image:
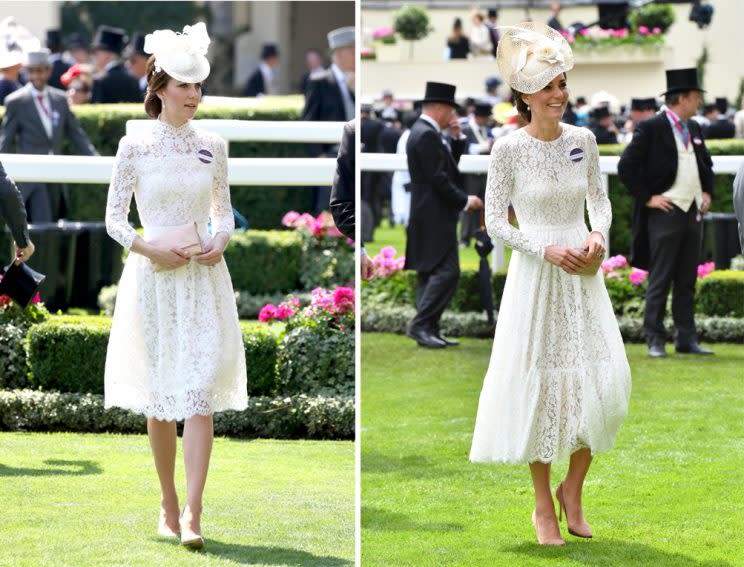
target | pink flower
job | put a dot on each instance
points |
(643, 30)
(614, 263)
(382, 32)
(656, 31)
(343, 300)
(267, 313)
(705, 269)
(294, 301)
(584, 31)
(290, 218)
(613, 275)
(36, 298)
(637, 276)
(283, 311)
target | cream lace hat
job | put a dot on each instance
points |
(181, 55)
(532, 54)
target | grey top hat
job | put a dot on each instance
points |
(38, 58)
(342, 37)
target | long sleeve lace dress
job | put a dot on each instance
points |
(558, 378)
(175, 348)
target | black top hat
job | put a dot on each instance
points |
(600, 112)
(493, 13)
(77, 41)
(643, 104)
(483, 108)
(708, 108)
(269, 50)
(110, 39)
(20, 283)
(136, 46)
(682, 80)
(722, 104)
(440, 92)
(53, 39)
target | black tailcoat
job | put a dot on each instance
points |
(648, 167)
(116, 86)
(342, 192)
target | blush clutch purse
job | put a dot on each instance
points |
(592, 267)
(184, 237)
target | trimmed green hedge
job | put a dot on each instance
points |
(296, 417)
(264, 207)
(390, 319)
(264, 261)
(68, 354)
(716, 295)
(722, 293)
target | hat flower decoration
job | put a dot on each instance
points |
(531, 54)
(181, 55)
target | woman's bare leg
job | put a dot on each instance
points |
(198, 432)
(162, 435)
(547, 528)
(572, 488)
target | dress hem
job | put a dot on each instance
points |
(173, 417)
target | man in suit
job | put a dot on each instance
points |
(640, 110)
(314, 62)
(436, 202)
(114, 84)
(480, 141)
(720, 128)
(37, 119)
(137, 61)
(263, 80)
(493, 16)
(330, 97)
(343, 200)
(13, 213)
(668, 170)
(603, 126)
(387, 143)
(369, 135)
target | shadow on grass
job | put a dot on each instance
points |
(265, 555)
(610, 552)
(81, 468)
(382, 520)
(415, 466)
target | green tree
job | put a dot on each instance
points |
(412, 23)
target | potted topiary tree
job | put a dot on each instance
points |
(412, 23)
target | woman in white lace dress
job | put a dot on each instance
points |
(558, 382)
(175, 351)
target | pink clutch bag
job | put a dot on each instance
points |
(184, 237)
(592, 267)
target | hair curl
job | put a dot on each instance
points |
(155, 82)
(522, 108)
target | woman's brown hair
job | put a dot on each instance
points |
(522, 108)
(155, 82)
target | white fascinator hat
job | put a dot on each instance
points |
(181, 55)
(532, 54)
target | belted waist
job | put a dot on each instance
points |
(155, 231)
(569, 226)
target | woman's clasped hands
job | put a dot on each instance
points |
(571, 260)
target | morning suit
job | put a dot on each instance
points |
(473, 183)
(667, 244)
(12, 210)
(24, 128)
(719, 129)
(255, 85)
(342, 191)
(436, 202)
(116, 85)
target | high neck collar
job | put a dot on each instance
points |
(165, 129)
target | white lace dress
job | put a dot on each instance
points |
(558, 379)
(175, 348)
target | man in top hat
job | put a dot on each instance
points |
(78, 47)
(114, 84)
(603, 126)
(668, 170)
(719, 128)
(640, 110)
(58, 62)
(479, 142)
(330, 97)
(493, 16)
(263, 79)
(137, 61)
(436, 202)
(37, 120)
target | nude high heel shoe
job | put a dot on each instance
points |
(562, 508)
(555, 542)
(163, 529)
(194, 543)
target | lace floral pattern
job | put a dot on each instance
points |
(558, 379)
(175, 348)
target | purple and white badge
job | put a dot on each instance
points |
(205, 156)
(576, 155)
(697, 141)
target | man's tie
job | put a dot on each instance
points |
(43, 106)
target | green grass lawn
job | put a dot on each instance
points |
(395, 236)
(70, 499)
(669, 494)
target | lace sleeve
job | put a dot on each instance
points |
(221, 210)
(598, 204)
(123, 182)
(499, 187)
